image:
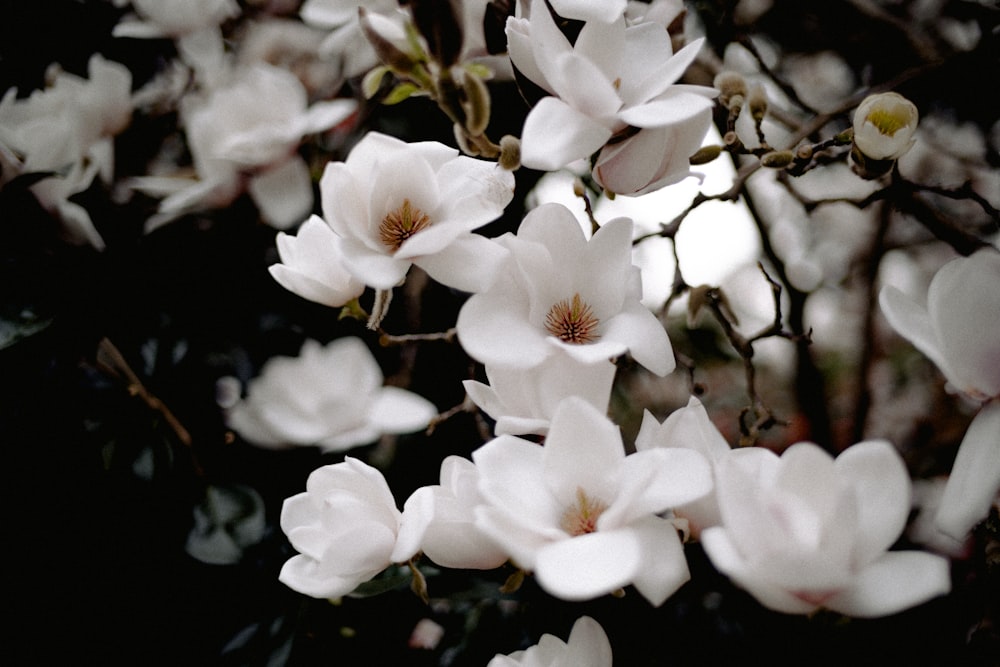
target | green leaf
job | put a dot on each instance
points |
(400, 93)
(373, 81)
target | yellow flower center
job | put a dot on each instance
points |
(401, 224)
(581, 518)
(572, 321)
(888, 121)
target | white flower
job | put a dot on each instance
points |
(395, 204)
(344, 527)
(612, 90)
(581, 514)
(689, 427)
(563, 293)
(311, 265)
(804, 531)
(523, 400)
(957, 330)
(347, 41)
(884, 125)
(69, 129)
(239, 143)
(587, 646)
(227, 521)
(328, 396)
(439, 520)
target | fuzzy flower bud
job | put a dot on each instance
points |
(777, 159)
(510, 152)
(730, 84)
(757, 102)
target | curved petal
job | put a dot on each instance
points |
(469, 263)
(491, 333)
(665, 568)
(605, 11)
(585, 567)
(646, 339)
(284, 194)
(376, 269)
(556, 134)
(396, 410)
(975, 476)
(583, 450)
(587, 644)
(912, 322)
(896, 581)
(301, 574)
(674, 106)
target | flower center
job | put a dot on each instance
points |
(888, 121)
(573, 321)
(581, 518)
(401, 224)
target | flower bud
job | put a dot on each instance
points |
(705, 154)
(884, 125)
(729, 85)
(476, 104)
(777, 159)
(385, 38)
(757, 102)
(510, 152)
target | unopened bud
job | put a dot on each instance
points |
(757, 102)
(476, 104)
(729, 84)
(804, 152)
(380, 32)
(735, 103)
(510, 152)
(777, 159)
(705, 154)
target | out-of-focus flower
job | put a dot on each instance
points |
(193, 24)
(957, 331)
(562, 293)
(344, 526)
(689, 427)
(439, 520)
(612, 91)
(523, 400)
(581, 514)
(311, 265)
(883, 131)
(331, 397)
(394, 204)
(226, 522)
(347, 42)
(69, 129)
(237, 143)
(804, 531)
(587, 646)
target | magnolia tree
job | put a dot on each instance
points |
(535, 332)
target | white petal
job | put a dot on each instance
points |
(584, 567)
(675, 106)
(912, 322)
(665, 568)
(897, 581)
(396, 410)
(556, 134)
(492, 331)
(646, 339)
(583, 451)
(469, 263)
(605, 11)
(379, 270)
(975, 476)
(300, 574)
(284, 194)
(587, 645)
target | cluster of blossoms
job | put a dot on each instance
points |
(552, 311)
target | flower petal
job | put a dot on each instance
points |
(585, 567)
(896, 581)
(556, 134)
(975, 476)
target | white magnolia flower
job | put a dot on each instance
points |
(523, 400)
(347, 42)
(311, 265)
(328, 396)
(587, 646)
(194, 24)
(612, 91)
(884, 125)
(344, 526)
(689, 427)
(804, 531)
(394, 204)
(957, 330)
(581, 514)
(237, 143)
(69, 128)
(439, 520)
(563, 293)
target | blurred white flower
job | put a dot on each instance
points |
(239, 143)
(439, 520)
(957, 330)
(227, 521)
(689, 427)
(523, 400)
(612, 91)
(347, 42)
(581, 514)
(561, 293)
(331, 397)
(587, 646)
(804, 531)
(344, 526)
(69, 128)
(311, 265)
(884, 125)
(394, 204)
